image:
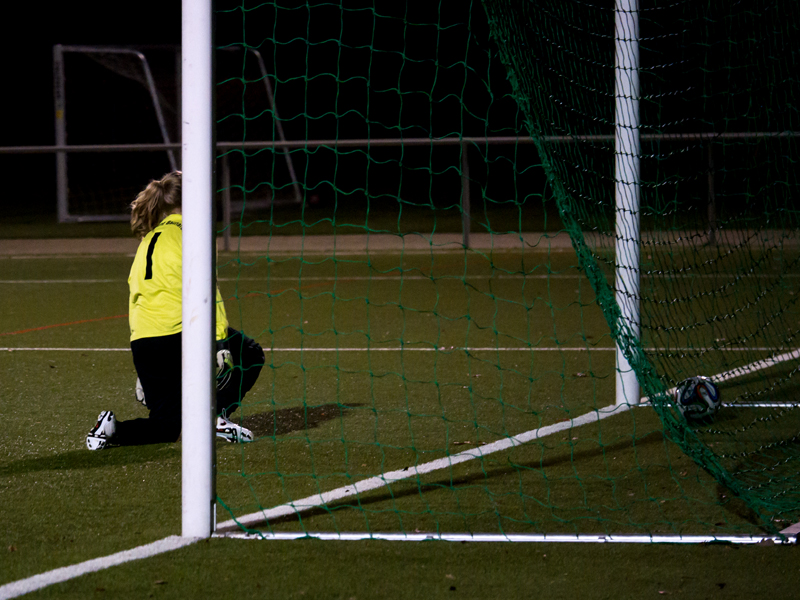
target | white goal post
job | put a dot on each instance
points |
(627, 192)
(198, 235)
(198, 478)
(198, 496)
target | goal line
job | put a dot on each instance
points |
(786, 537)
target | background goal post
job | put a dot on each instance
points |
(129, 64)
(122, 107)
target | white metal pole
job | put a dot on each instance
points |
(226, 202)
(466, 217)
(627, 187)
(151, 87)
(59, 89)
(298, 195)
(198, 500)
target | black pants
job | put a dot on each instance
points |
(158, 365)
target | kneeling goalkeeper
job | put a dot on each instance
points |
(155, 323)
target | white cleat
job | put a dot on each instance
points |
(233, 433)
(102, 432)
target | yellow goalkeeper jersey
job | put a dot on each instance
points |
(154, 306)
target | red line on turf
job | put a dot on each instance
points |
(302, 287)
(64, 324)
(125, 315)
(310, 285)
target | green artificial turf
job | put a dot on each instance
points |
(467, 376)
(374, 569)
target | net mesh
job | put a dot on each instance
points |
(718, 290)
(438, 313)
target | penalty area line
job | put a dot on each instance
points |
(37, 582)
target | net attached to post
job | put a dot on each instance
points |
(422, 380)
(719, 220)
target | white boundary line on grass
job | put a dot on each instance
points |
(770, 361)
(437, 278)
(744, 370)
(37, 582)
(756, 366)
(521, 537)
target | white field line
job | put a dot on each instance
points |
(518, 537)
(761, 404)
(379, 481)
(37, 582)
(757, 366)
(458, 277)
(454, 349)
(753, 367)
(793, 530)
(314, 278)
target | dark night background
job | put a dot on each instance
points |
(30, 31)
(422, 100)
(707, 67)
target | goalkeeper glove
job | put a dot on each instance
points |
(224, 365)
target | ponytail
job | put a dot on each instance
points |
(159, 199)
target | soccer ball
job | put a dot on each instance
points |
(698, 398)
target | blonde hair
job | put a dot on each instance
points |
(159, 199)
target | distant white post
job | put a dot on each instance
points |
(59, 91)
(627, 187)
(198, 494)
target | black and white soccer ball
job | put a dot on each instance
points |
(698, 398)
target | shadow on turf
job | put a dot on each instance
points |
(299, 418)
(270, 424)
(729, 502)
(397, 493)
(84, 459)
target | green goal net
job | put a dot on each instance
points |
(422, 238)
